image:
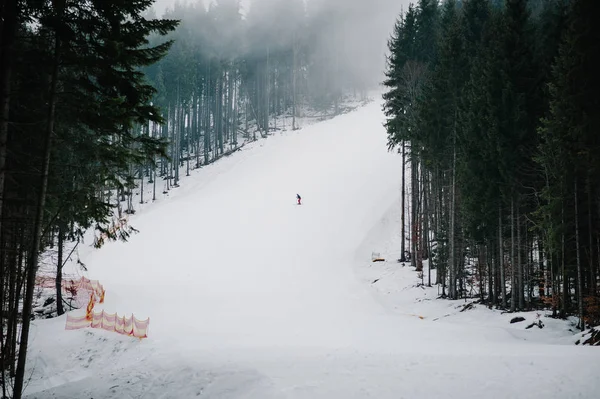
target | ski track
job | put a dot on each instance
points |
(252, 296)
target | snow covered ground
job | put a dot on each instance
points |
(252, 296)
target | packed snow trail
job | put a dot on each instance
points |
(251, 295)
(240, 261)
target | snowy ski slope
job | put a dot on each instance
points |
(252, 296)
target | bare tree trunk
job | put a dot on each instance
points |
(565, 280)
(294, 49)
(172, 162)
(141, 184)
(435, 222)
(403, 216)
(235, 111)
(451, 258)
(187, 131)
(183, 136)
(491, 273)
(59, 267)
(425, 213)
(207, 119)
(482, 262)
(441, 204)
(246, 131)
(267, 88)
(414, 199)
(445, 201)
(15, 290)
(555, 284)
(196, 118)
(592, 285)
(426, 222)
(530, 267)
(579, 273)
(543, 270)
(460, 260)
(176, 136)
(231, 107)
(520, 263)
(8, 342)
(154, 184)
(130, 190)
(153, 170)
(501, 259)
(513, 278)
(420, 219)
(226, 114)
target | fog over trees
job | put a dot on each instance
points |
(241, 70)
(339, 42)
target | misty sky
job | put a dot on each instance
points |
(161, 5)
(391, 6)
(361, 27)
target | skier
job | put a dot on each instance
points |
(299, 199)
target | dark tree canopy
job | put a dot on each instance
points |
(504, 138)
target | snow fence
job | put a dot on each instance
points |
(106, 321)
(111, 322)
(79, 290)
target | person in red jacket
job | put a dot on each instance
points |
(299, 199)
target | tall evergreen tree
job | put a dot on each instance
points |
(71, 133)
(569, 149)
(491, 189)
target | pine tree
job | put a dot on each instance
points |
(519, 203)
(569, 147)
(90, 95)
(402, 74)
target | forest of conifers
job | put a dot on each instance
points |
(494, 105)
(227, 73)
(98, 97)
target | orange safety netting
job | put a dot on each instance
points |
(80, 289)
(76, 322)
(140, 327)
(92, 286)
(110, 322)
(45, 281)
(106, 321)
(90, 307)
